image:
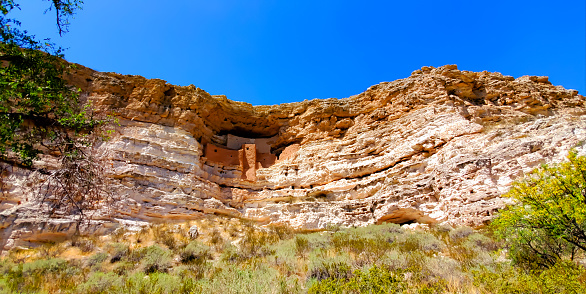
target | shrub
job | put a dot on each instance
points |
(85, 245)
(460, 233)
(97, 259)
(44, 266)
(423, 241)
(301, 245)
(255, 242)
(123, 268)
(334, 270)
(51, 250)
(118, 251)
(230, 253)
(31, 276)
(562, 277)
(390, 228)
(195, 252)
(479, 242)
(376, 281)
(393, 260)
(156, 259)
(160, 283)
(231, 279)
(358, 243)
(548, 220)
(216, 239)
(282, 232)
(99, 282)
(136, 255)
(163, 235)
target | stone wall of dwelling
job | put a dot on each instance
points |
(265, 160)
(221, 155)
(248, 162)
(236, 143)
(263, 145)
(248, 157)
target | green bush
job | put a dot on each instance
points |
(99, 283)
(301, 245)
(31, 276)
(479, 242)
(256, 242)
(195, 253)
(374, 259)
(123, 267)
(423, 241)
(136, 255)
(118, 251)
(333, 270)
(376, 281)
(230, 279)
(44, 266)
(547, 223)
(163, 235)
(160, 283)
(96, 259)
(460, 233)
(230, 254)
(394, 260)
(355, 242)
(562, 277)
(156, 259)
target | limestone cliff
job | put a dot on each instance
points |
(441, 145)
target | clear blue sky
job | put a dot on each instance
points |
(270, 52)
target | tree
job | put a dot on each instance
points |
(38, 109)
(547, 222)
(40, 113)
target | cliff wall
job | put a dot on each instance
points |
(440, 145)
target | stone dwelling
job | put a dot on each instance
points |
(250, 154)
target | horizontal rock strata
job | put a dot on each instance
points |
(441, 145)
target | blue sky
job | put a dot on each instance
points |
(271, 52)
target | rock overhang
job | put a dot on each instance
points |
(407, 149)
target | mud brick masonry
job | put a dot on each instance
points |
(250, 154)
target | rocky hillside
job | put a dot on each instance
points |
(441, 145)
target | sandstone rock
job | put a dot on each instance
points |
(193, 232)
(442, 145)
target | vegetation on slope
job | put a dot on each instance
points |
(540, 251)
(231, 256)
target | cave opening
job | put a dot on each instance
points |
(247, 133)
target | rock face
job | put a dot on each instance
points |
(441, 145)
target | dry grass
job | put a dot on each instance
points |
(236, 256)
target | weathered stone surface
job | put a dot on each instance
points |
(193, 232)
(441, 145)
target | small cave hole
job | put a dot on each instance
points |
(407, 222)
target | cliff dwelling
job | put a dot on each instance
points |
(249, 154)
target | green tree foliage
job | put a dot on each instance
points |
(547, 223)
(38, 109)
(40, 112)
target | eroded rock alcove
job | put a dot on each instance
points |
(249, 154)
(441, 145)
